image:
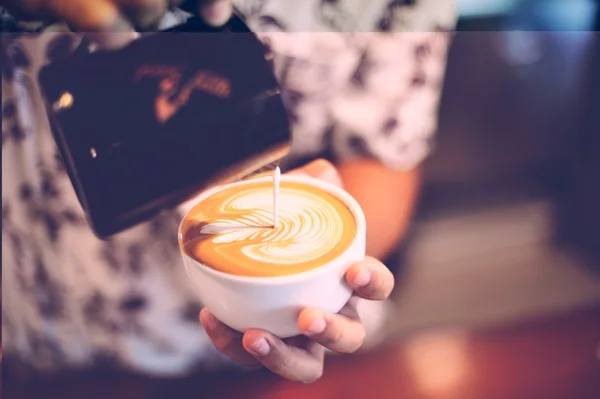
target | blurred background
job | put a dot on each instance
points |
(499, 293)
(507, 225)
(500, 288)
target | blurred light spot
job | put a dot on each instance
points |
(439, 361)
(480, 8)
(571, 15)
(64, 102)
(521, 47)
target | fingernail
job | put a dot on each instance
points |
(260, 347)
(317, 326)
(210, 321)
(362, 278)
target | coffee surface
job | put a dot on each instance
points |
(232, 231)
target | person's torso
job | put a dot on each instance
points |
(70, 299)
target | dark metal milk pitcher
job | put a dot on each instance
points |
(145, 127)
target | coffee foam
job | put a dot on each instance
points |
(232, 231)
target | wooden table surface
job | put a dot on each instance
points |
(552, 358)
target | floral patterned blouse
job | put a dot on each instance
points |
(361, 79)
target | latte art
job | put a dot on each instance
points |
(233, 230)
(301, 234)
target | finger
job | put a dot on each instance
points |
(141, 15)
(342, 333)
(105, 27)
(215, 12)
(144, 14)
(90, 16)
(84, 15)
(370, 279)
(225, 339)
(304, 364)
(111, 40)
(320, 169)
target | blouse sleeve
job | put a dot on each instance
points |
(388, 111)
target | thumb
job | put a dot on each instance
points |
(215, 12)
(320, 169)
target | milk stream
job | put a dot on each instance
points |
(276, 180)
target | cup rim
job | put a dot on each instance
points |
(338, 192)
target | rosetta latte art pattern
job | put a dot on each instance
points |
(236, 232)
(308, 228)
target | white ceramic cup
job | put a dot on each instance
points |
(273, 303)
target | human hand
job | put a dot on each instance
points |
(112, 23)
(93, 15)
(301, 358)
